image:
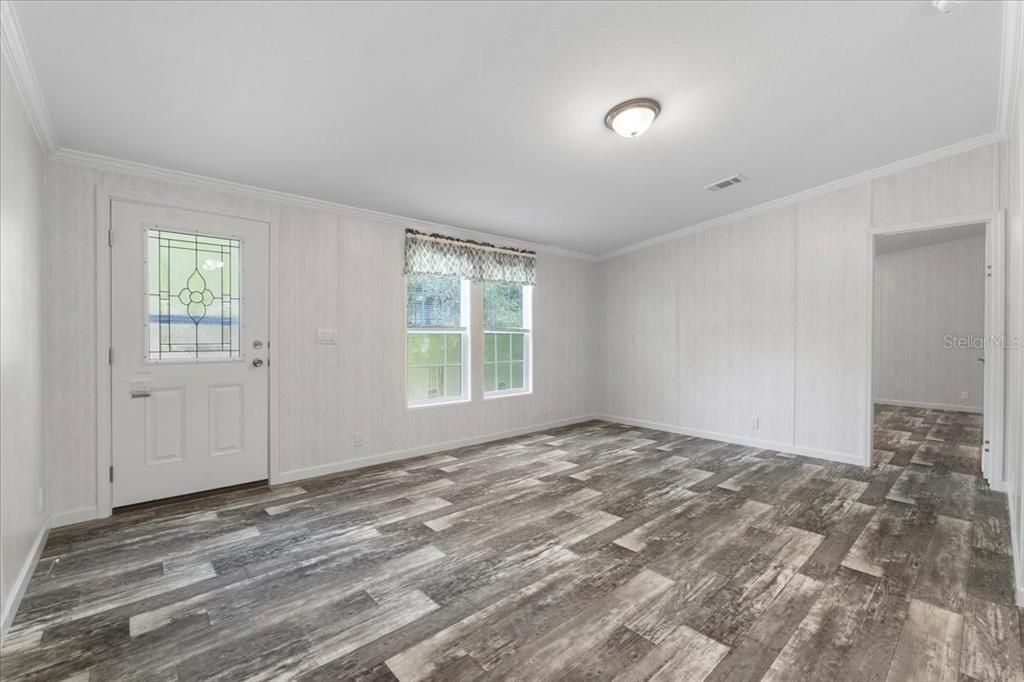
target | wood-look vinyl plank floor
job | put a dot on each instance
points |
(594, 551)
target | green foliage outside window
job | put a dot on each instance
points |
(433, 301)
(433, 358)
(503, 306)
(504, 351)
(435, 365)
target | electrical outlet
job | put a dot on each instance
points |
(965, 395)
(327, 337)
(357, 440)
(755, 423)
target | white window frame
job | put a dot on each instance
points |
(464, 313)
(527, 332)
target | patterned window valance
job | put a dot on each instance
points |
(436, 254)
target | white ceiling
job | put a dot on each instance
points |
(489, 116)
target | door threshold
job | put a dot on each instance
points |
(188, 497)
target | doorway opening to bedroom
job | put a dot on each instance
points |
(933, 335)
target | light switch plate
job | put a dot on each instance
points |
(327, 337)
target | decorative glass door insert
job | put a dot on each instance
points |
(194, 296)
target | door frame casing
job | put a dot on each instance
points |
(106, 193)
(994, 399)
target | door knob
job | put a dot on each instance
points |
(257, 362)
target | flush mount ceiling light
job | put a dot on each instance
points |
(945, 6)
(632, 118)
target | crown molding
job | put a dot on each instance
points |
(881, 171)
(28, 87)
(1010, 63)
(107, 163)
(111, 164)
(25, 78)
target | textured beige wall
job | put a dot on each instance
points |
(769, 313)
(922, 295)
(22, 516)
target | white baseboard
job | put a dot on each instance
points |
(24, 575)
(998, 486)
(82, 514)
(396, 455)
(929, 406)
(788, 448)
(66, 518)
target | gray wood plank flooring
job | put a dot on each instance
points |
(595, 551)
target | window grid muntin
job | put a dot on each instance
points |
(462, 365)
(438, 312)
(452, 360)
(501, 361)
(494, 365)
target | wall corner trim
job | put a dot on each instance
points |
(10, 609)
(1010, 62)
(25, 78)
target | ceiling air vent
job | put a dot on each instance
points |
(727, 182)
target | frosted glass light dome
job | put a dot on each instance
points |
(632, 118)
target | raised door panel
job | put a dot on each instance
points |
(227, 419)
(166, 426)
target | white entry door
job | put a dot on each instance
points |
(189, 325)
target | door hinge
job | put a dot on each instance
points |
(110, 355)
(110, 237)
(111, 473)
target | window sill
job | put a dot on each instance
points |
(437, 403)
(507, 394)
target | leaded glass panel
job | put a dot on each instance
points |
(193, 294)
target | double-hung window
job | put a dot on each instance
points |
(507, 313)
(439, 270)
(437, 341)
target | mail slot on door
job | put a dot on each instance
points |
(139, 386)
